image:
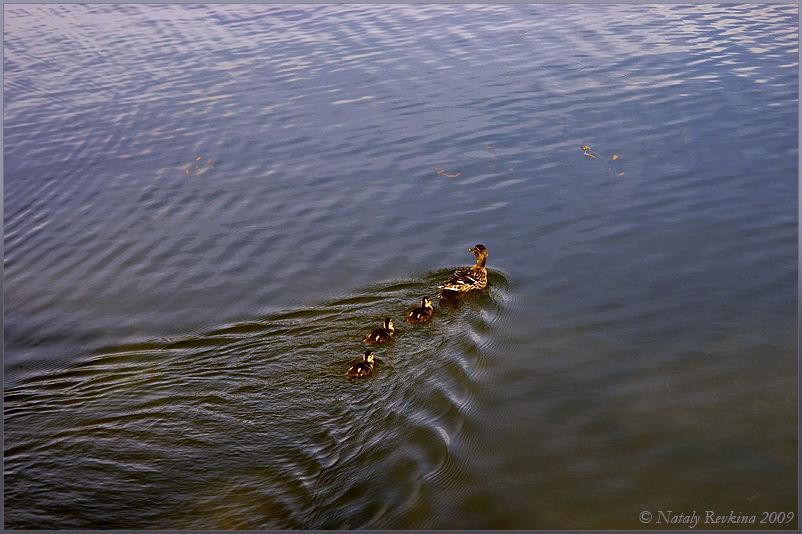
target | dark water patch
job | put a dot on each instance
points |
(319, 439)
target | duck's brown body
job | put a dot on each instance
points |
(362, 367)
(381, 335)
(422, 313)
(467, 279)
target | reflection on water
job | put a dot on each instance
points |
(207, 207)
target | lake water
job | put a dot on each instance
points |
(207, 207)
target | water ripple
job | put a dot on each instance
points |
(192, 193)
(280, 381)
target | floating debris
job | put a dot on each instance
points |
(594, 154)
(209, 162)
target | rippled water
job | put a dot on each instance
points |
(207, 207)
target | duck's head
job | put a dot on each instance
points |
(369, 356)
(478, 250)
(481, 254)
(388, 324)
(426, 302)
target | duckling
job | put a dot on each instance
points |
(422, 313)
(466, 279)
(380, 335)
(362, 367)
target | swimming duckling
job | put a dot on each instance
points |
(362, 367)
(422, 313)
(466, 279)
(380, 335)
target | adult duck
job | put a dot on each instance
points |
(467, 279)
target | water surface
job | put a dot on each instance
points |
(207, 207)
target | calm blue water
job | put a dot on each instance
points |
(206, 208)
